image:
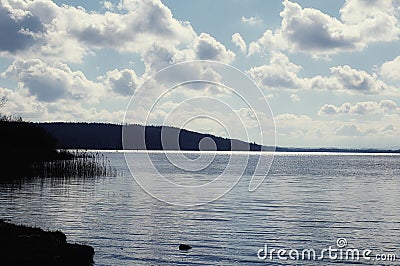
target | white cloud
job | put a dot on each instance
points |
(107, 5)
(292, 121)
(122, 82)
(41, 28)
(309, 30)
(294, 98)
(144, 23)
(51, 82)
(361, 108)
(357, 80)
(207, 48)
(347, 79)
(251, 20)
(238, 40)
(304, 131)
(391, 69)
(372, 20)
(270, 41)
(22, 103)
(349, 131)
(20, 29)
(279, 73)
(389, 106)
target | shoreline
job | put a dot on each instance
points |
(25, 245)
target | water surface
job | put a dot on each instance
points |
(307, 201)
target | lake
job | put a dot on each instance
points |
(308, 201)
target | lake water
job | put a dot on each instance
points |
(308, 201)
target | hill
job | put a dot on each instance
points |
(109, 137)
(103, 136)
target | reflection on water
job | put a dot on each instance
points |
(307, 201)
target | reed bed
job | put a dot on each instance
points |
(80, 164)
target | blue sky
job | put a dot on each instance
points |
(330, 70)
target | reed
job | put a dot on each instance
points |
(80, 164)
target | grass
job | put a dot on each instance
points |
(79, 164)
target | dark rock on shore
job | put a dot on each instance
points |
(22, 245)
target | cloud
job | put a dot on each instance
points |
(52, 82)
(361, 108)
(329, 109)
(391, 69)
(372, 20)
(309, 30)
(279, 73)
(42, 29)
(251, 20)
(304, 131)
(294, 98)
(349, 131)
(291, 121)
(144, 23)
(107, 5)
(20, 30)
(22, 103)
(270, 41)
(389, 106)
(237, 40)
(207, 48)
(69, 33)
(347, 79)
(122, 82)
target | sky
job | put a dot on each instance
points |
(329, 71)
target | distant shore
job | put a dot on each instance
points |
(102, 136)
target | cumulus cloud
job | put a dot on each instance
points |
(251, 20)
(349, 131)
(279, 73)
(143, 23)
(391, 69)
(22, 103)
(122, 82)
(361, 108)
(303, 131)
(372, 20)
(69, 33)
(52, 82)
(18, 29)
(42, 29)
(270, 41)
(238, 40)
(206, 47)
(345, 78)
(389, 106)
(311, 31)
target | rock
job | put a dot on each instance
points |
(184, 247)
